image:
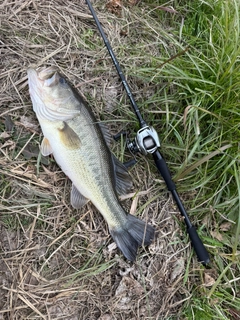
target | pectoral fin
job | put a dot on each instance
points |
(69, 137)
(123, 181)
(77, 199)
(46, 148)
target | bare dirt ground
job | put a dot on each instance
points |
(57, 262)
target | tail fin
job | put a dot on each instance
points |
(135, 234)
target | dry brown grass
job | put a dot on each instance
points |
(56, 262)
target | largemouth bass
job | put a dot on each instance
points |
(79, 145)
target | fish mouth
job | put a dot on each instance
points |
(49, 76)
(44, 76)
(45, 73)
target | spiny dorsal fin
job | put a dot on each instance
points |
(123, 181)
(106, 134)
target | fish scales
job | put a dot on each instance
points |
(91, 171)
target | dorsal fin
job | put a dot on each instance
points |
(123, 181)
(106, 134)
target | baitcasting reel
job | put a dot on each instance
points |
(145, 142)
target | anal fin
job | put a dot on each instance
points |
(77, 199)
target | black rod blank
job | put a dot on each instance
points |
(161, 165)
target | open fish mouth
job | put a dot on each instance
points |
(45, 73)
(48, 75)
(43, 76)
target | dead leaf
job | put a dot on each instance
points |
(5, 135)
(217, 235)
(129, 286)
(225, 226)
(115, 6)
(28, 123)
(128, 289)
(10, 144)
(134, 206)
(177, 268)
(208, 280)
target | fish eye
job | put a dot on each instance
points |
(62, 80)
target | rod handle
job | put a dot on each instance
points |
(199, 248)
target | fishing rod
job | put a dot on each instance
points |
(147, 142)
